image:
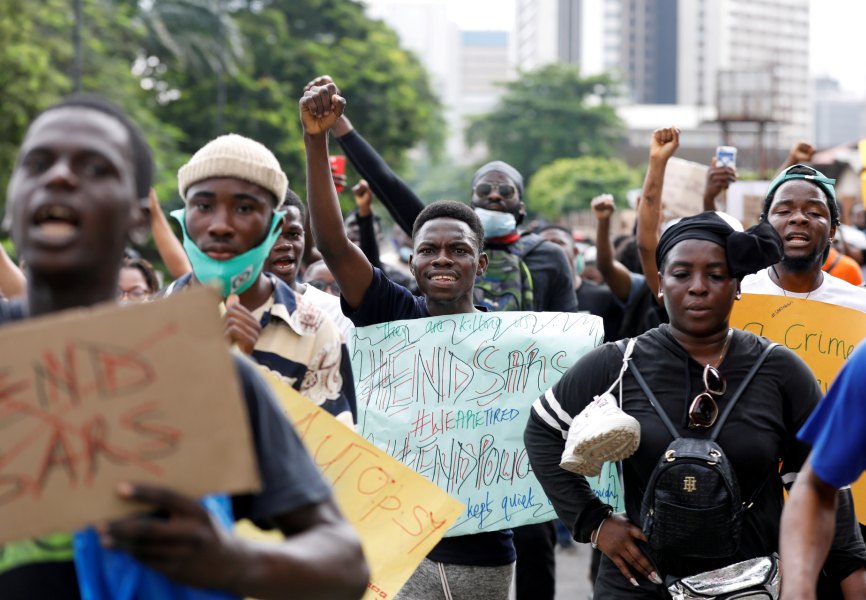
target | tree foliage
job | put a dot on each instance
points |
(570, 184)
(548, 114)
(168, 61)
(287, 44)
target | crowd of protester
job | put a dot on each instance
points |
(297, 276)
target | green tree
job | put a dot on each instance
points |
(36, 65)
(548, 114)
(289, 42)
(570, 184)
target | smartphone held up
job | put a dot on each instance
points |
(338, 167)
(726, 156)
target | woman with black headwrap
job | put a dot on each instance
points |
(692, 366)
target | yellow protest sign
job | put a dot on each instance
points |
(823, 335)
(398, 514)
(862, 148)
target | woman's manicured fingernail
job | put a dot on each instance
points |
(654, 577)
(634, 582)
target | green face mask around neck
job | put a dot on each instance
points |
(236, 275)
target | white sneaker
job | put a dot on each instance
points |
(601, 433)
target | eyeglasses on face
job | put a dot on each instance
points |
(326, 286)
(506, 190)
(133, 294)
(704, 410)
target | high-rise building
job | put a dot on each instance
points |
(578, 32)
(465, 66)
(840, 117)
(678, 52)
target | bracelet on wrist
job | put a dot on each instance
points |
(595, 534)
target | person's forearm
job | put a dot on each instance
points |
(12, 281)
(369, 245)
(709, 201)
(808, 523)
(342, 126)
(336, 569)
(169, 247)
(649, 214)
(326, 218)
(572, 498)
(615, 275)
(402, 203)
(350, 268)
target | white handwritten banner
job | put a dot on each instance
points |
(450, 396)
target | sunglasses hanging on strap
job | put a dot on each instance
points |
(692, 505)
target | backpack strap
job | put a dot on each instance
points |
(728, 408)
(526, 244)
(649, 394)
(730, 405)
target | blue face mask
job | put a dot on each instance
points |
(496, 223)
(236, 275)
(405, 253)
(579, 264)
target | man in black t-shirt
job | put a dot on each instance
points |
(75, 197)
(447, 257)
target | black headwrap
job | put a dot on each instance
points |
(500, 167)
(747, 252)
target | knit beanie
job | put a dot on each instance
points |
(237, 156)
(500, 167)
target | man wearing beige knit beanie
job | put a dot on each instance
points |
(233, 189)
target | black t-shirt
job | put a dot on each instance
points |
(759, 433)
(289, 478)
(388, 301)
(598, 300)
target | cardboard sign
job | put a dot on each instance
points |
(823, 335)
(91, 398)
(450, 397)
(398, 514)
(683, 188)
(745, 201)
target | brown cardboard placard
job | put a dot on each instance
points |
(683, 189)
(90, 398)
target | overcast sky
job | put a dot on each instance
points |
(836, 43)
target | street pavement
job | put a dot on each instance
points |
(572, 572)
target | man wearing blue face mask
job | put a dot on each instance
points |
(233, 189)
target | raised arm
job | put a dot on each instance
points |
(616, 276)
(663, 144)
(13, 284)
(366, 223)
(801, 152)
(718, 180)
(169, 247)
(320, 107)
(397, 197)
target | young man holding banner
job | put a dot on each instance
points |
(75, 199)
(447, 256)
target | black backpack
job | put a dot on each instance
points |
(507, 283)
(692, 506)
